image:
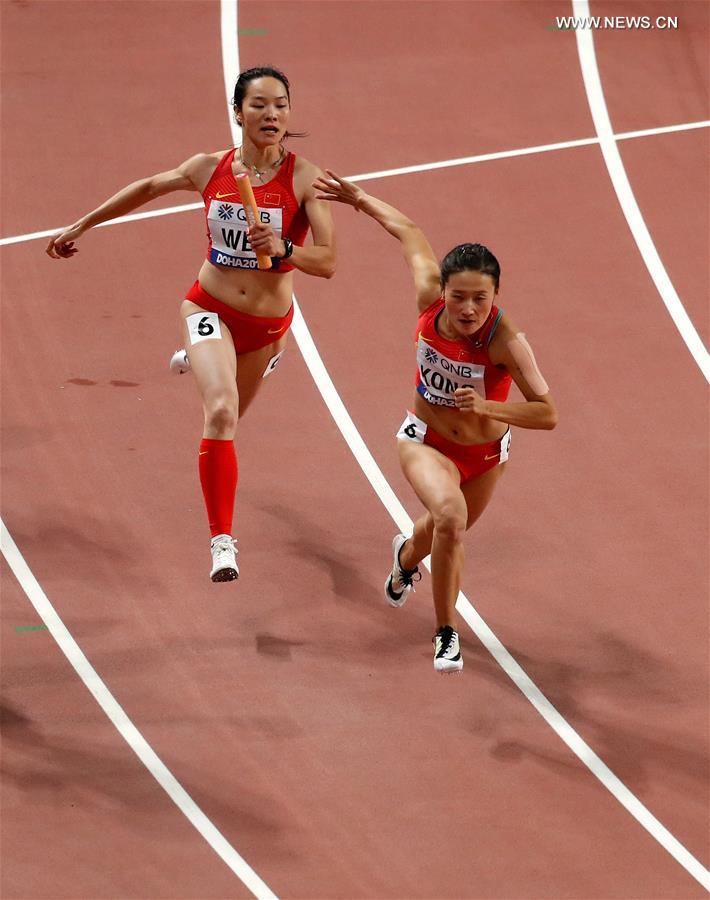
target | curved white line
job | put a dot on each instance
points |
(86, 672)
(625, 195)
(123, 724)
(515, 672)
(479, 627)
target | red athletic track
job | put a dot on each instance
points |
(301, 714)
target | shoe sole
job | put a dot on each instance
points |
(447, 667)
(227, 574)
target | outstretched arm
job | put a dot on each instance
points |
(416, 248)
(61, 246)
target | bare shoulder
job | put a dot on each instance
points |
(200, 167)
(304, 174)
(505, 333)
(305, 168)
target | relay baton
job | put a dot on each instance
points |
(251, 212)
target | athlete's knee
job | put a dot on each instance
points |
(449, 521)
(221, 412)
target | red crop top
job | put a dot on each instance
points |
(226, 222)
(444, 365)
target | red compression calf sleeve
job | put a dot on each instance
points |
(218, 477)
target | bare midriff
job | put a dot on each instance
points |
(459, 427)
(256, 293)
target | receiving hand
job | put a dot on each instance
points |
(337, 189)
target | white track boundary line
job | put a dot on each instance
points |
(337, 409)
(119, 719)
(625, 194)
(387, 173)
(108, 703)
(482, 631)
(374, 475)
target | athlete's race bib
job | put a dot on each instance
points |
(440, 376)
(228, 229)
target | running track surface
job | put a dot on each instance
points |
(299, 711)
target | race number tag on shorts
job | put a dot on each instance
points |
(505, 445)
(412, 429)
(203, 326)
(273, 362)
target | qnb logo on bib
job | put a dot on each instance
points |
(228, 225)
(440, 376)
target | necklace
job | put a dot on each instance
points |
(260, 173)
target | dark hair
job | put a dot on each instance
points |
(470, 257)
(249, 75)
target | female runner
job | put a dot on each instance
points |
(455, 441)
(235, 318)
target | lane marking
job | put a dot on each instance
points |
(133, 217)
(625, 194)
(515, 672)
(385, 173)
(122, 723)
(86, 672)
(337, 409)
(524, 151)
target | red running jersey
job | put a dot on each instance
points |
(444, 365)
(227, 224)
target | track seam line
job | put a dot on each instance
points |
(505, 660)
(123, 724)
(387, 173)
(625, 195)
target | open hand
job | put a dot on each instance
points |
(335, 188)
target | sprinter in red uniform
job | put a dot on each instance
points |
(455, 441)
(236, 317)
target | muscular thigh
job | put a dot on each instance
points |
(216, 367)
(252, 371)
(211, 350)
(478, 492)
(434, 478)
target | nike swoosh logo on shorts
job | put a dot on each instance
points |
(275, 330)
(492, 457)
(219, 196)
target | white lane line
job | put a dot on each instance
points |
(625, 195)
(385, 173)
(515, 672)
(133, 217)
(666, 129)
(123, 724)
(524, 151)
(479, 627)
(389, 499)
